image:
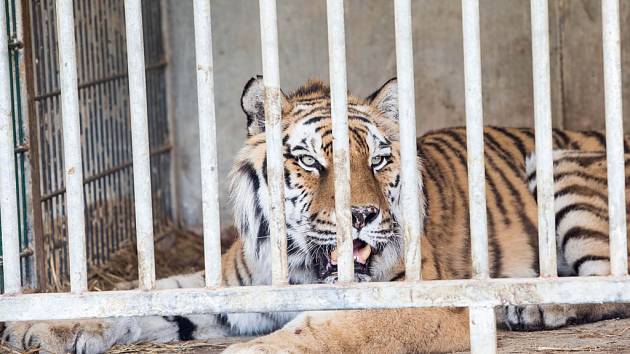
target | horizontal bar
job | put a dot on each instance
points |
(207, 143)
(9, 219)
(614, 138)
(21, 148)
(409, 195)
(72, 145)
(273, 131)
(113, 77)
(544, 143)
(439, 293)
(483, 334)
(162, 150)
(341, 144)
(474, 139)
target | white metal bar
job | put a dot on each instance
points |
(341, 145)
(273, 130)
(483, 334)
(408, 151)
(614, 138)
(474, 138)
(544, 142)
(72, 145)
(482, 321)
(140, 144)
(207, 143)
(8, 193)
(442, 293)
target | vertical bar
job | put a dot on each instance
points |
(8, 193)
(341, 154)
(482, 320)
(72, 145)
(614, 138)
(208, 143)
(408, 151)
(273, 131)
(474, 138)
(140, 144)
(170, 108)
(483, 334)
(27, 35)
(544, 143)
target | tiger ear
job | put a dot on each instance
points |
(253, 104)
(385, 99)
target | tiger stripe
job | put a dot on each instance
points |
(581, 205)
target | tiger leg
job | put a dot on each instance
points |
(98, 335)
(366, 331)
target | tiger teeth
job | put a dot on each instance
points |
(360, 255)
(364, 254)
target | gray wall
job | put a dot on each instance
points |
(576, 60)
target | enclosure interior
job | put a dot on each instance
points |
(577, 96)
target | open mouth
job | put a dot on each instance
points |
(361, 252)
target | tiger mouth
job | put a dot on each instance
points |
(361, 252)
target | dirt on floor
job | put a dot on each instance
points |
(183, 253)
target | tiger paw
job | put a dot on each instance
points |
(86, 336)
(536, 317)
(255, 347)
(292, 339)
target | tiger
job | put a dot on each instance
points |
(581, 210)
(375, 186)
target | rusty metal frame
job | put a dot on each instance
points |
(27, 72)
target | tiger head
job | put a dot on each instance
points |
(309, 183)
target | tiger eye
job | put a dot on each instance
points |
(308, 161)
(377, 160)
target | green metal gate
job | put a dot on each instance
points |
(21, 140)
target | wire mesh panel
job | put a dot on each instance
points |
(105, 128)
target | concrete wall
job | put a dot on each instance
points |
(576, 60)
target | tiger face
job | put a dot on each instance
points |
(309, 182)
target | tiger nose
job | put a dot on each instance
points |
(363, 215)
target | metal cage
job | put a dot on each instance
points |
(480, 294)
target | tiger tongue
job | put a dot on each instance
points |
(359, 254)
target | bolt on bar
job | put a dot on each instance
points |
(341, 145)
(544, 142)
(207, 143)
(614, 138)
(72, 145)
(273, 131)
(140, 144)
(408, 150)
(481, 318)
(8, 193)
